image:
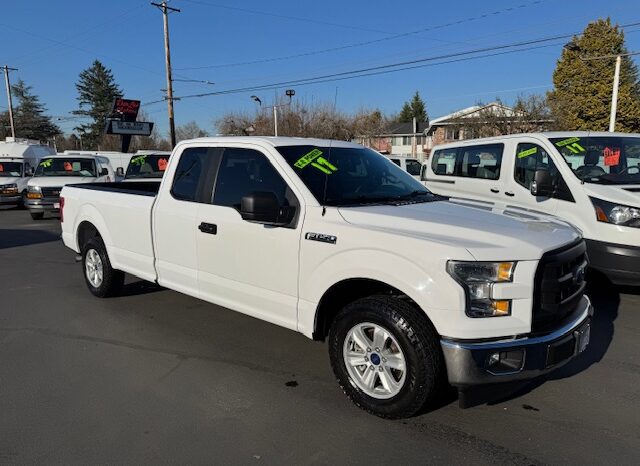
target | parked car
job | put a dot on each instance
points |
(589, 179)
(409, 164)
(330, 239)
(52, 173)
(117, 160)
(147, 166)
(17, 159)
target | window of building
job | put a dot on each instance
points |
(452, 134)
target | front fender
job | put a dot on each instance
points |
(429, 286)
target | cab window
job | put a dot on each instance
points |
(413, 167)
(481, 161)
(245, 171)
(532, 157)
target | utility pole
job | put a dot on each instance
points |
(167, 53)
(614, 98)
(9, 100)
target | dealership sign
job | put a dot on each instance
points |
(127, 109)
(132, 128)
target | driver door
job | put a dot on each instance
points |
(249, 267)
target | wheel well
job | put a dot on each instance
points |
(86, 231)
(345, 292)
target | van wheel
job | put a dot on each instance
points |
(386, 356)
(37, 215)
(23, 200)
(101, 279)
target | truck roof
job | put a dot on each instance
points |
(274, 141)
(547, 134)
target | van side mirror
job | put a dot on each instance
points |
(263, 207)
(28, 172)
(542, 185)
(119, 171)
(104, 172)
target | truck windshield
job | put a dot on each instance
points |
(66, 167)
(602, 159)
(10, 169)
(347, 176)
(147, 166)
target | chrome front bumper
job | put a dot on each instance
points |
(477, 363)
(45, 204)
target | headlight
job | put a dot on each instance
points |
(477, 279)
(609, 212)
(34, 192)
(9, 186)
(34, 189)
(9, 189)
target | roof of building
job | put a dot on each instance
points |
(467, 112)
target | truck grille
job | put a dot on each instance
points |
(559, 286)
(51, 191)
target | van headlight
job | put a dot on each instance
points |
(617, 214)
(477, 279)
(34, 192)
(10, 188)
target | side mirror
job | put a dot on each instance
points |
(28, 172)
(542, 185)
(104, 172)
(263, 207)
(119, 171)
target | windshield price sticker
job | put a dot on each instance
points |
(1, 168)
(46, 163)
(316, 161)
(527, 153)
(139, 160)
(162, 164)
(611, 156)
(571, 144)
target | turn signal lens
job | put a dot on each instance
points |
(34, 196)
(501, 308)
(600, 215)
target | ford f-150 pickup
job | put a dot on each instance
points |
(333, 240)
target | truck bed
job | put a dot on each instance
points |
(140, 188)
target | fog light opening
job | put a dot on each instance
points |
(505, 362)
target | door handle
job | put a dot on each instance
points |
(208, 228)
(510, 194)
(495, 191)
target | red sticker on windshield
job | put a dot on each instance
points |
(1, 168)
(611, 156)
(68, 167)
(162, 164)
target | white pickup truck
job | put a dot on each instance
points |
(334, 241)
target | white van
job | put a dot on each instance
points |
(117, 160)
(409, 164)
(589, 179)
(55, 172)
(17, 161)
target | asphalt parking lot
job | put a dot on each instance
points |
(157, 377)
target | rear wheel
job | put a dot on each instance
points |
(386, 356)
(37, 215)
(101, 279)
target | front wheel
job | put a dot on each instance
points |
(101, 279)
(386, 356)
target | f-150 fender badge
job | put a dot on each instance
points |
(321, 237)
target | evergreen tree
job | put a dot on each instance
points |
(96, 90)
(28, 115)
(583, 84)
(414, 108)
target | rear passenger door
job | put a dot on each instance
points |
(249, 267)
(470, 172)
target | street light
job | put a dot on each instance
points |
(289, 93)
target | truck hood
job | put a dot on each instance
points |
(627, 194)
(487, 235)
(46, 181)
(9, 180)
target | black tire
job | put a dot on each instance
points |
(112, 279)
(23, 201)
(416, 337)
(37, 215)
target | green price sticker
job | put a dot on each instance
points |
(527, 153)
(572, 144)
(308, 158)
(46, 163)
(139, 160)
(314, 159)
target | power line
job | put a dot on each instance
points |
(369, 42)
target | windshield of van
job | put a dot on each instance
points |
(147, 166)
(348, 176)
(602, 159)
(66, 167)
(10, 169)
